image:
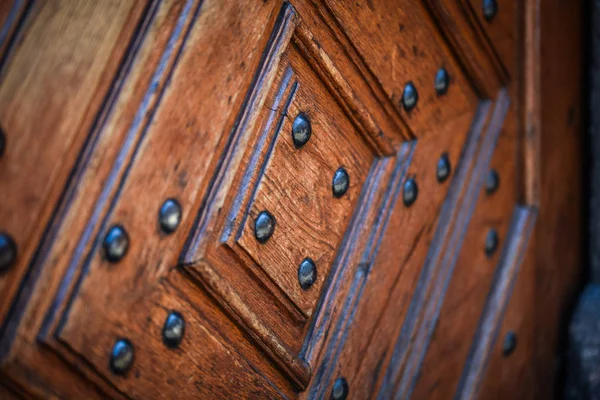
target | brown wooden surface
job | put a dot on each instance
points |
(109, 108)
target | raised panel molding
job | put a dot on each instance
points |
(389, 274)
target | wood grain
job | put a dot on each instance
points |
(110, 108)
(484, 70)
(471, 280)
(13, 16)
(513, 271)
(43, 129)
(401, 44)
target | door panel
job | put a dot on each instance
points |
(273, 199)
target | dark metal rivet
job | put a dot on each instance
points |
(173, 330)
(121, 356)
(491, 242)
(116, 243)
(169, 216)
(264, 226)
(2, 142)
(444, 168)
(442, 81)
(492, 181)
(301, 130)
(8, 251)
(510, 344)
(490, 8)
(341, 182)
(307, 273)
(410, 96)
(410, 192)
(340, 389)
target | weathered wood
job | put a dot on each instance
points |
(110, 108)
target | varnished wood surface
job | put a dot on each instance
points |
(110, 108)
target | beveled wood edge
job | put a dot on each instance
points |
(291, 364)
(361, 244)
(532, 113)
(394, 120)
(483, 70)
(486, 42)
(417, 328)
(12, 29)
(245, 120)
(34, 268)
(521, 228)
(48, 338)
(342, 91)
(105, 203)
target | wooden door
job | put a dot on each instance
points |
(303, 199)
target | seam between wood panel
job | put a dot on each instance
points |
(489, 48)
(338, 335)
(411, 345)
(278, 40)
(126, 156)
(242, 200)
(217, 334)
(485, 86)
(319, 325)
(333, 24)
(15, 22)
(523, 222)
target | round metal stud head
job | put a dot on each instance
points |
(8, 252)
(490, 9)
(410, 191)
(410, 96)
(442, 81)
(173, 330)
(307, 273)
(340, 182)
(121, 356)
(510, 344)
(491, 242)
(492, 181)
(301, 130)
(169, 216)
(340, 389)
(444, 168)
(116, 244)
(264, 226)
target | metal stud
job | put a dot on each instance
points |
(116, 244)
(442, 81)
(410, 191)
(444, 168)
(491, 242)
(340, 389)
(341, 182)
(307, 273)
(121, 356)
(2, 142)
(492, 181)
(410, 96)
(8, 252)
(169, 216)
(264, 226)
(490, 8)
(173, 330)
(301, 130)
(510, 344)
